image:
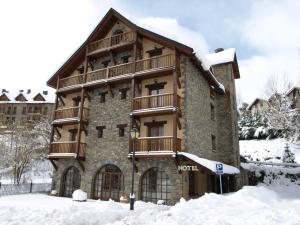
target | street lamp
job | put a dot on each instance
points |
(134, 133)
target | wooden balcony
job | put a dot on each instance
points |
(66, 149)
(113, 41)
(157, 144)
(153, 64)
(70, 113)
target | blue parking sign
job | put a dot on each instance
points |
(219, 168)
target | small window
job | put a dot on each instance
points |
(117, 31)
(30, 109)
(212, 112)
(73, 134)
(24, 111)
(102, 97)
(105, 63)
(123, 93)
(100, 131)
(213, 142)
(125, 59)
(121, 129)
(45, 110)
(14, 111)
(8, 110)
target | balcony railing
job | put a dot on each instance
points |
(158, 62)
(70, 81)
(123, 38)
(67, 147)
(71, 112)
(145, 144)
(154, 101)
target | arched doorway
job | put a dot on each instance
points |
(155, 185)
(71, 181)
(108, 183)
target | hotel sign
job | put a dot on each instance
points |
(188, 168)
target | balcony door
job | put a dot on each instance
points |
(155, 131)
(157, 99)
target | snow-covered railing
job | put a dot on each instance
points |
(14, 189)
(274, 164)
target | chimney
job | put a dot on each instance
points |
(28, 91)
(3, 90)
(21, 91)
(45, 92)
(219, 50)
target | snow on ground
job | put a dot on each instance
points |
(267, 150)
(251, 205)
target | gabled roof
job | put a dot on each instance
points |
(4, 98)
(255, 101)
(39, 97)
(101, 30)
(21, 98)
(222, 57)
(292, 89)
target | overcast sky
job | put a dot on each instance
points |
(37, 36)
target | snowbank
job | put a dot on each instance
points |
(251, 205)
(267, 150)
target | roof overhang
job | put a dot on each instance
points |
(209, 164)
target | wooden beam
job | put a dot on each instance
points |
(112, 57)
(53, 164)
(109, 86)
(81, 164)
(61, 99)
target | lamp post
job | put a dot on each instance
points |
(134, 133)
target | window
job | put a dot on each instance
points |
(30, 109)
(123, 93)
(121, 129)
(213, 142)
(14, 111)
(212, 112)
(8, 110)
(45, 110)
(156, 89)
(13, 119)
(118, 31)
(100, 131)
(102, 97)
(24, 111)
(105, 63)
(73, 134)
(125, 59)
(76, 101)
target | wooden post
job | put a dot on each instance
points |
(175, 85)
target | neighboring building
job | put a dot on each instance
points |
(294, 95)
(258, 106)
(124, 76)
(24, 106)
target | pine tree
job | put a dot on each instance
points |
(288, 156)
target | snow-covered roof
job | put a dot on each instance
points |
(292, 89)
(29, 95)
(255, 101)
(225, 56)
(210, 164)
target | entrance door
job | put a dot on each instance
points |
(110, 186)
(71, 181)
(108, 183)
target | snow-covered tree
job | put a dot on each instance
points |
(23, 145)
(281, 117)
(288, 156)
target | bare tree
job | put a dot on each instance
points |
(277, 85)
(23, 145)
